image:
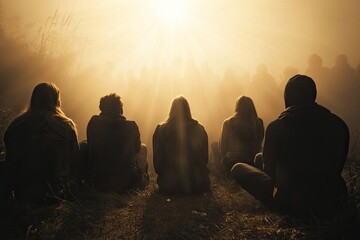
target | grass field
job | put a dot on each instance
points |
(228, 212)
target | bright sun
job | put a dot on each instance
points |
(171, 12)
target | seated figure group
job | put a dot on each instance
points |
(298, 170)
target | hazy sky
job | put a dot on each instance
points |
(109, 37)
(223, 33)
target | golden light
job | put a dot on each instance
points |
(171, 12)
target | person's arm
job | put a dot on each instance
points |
(85, 147)
(8, 171)
(157, 150)
(223, 142)
(261, 130)
(90, 130)
(205, 145)
(137, 143)
(341, 145)
(270, 150)
(74, 155)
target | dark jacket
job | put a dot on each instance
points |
(304, 152)
(40, 149)
(113, 142)
(238, 143)
(180, 157)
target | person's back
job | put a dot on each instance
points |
(240, 139)
(310, 147)
(305, 150)
(241, 134)
(41, 147)
(113, 143)
(181, 156)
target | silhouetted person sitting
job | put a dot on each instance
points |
(316, 69)
(41, 148)
(263, 80)
(180, 147)
(341, 76)
(265, 90)
(241, 135)
(117, 161)
(304, 153)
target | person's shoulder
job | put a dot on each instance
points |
(16, 122)
(161, 125)
(336, 120)
(333, 118)
(129, 123)
(21, 118)
(159, 129)
(26, 118)
(62, 121)
(274, 124)
(228, 120)
(202, 129)
(231, 118)
(198, 125)
(95, 119)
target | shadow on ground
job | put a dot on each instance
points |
(178, 217)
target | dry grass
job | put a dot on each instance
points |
(226, 213)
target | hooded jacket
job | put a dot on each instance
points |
(304, 152)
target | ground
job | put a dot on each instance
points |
(228, 212)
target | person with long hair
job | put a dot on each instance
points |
(241, 135)
(41, 148)
(180, 148)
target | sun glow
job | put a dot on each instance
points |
(171, 12)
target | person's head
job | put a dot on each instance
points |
(300, 90)
(111, 104)
(245, 108)
(341, 60)
(246, 113)
(45, 98)
(180, 109)
(315, 61)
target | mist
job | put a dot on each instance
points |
(221, 50)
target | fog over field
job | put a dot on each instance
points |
(151, 51)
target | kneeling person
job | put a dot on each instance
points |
(117, 161)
